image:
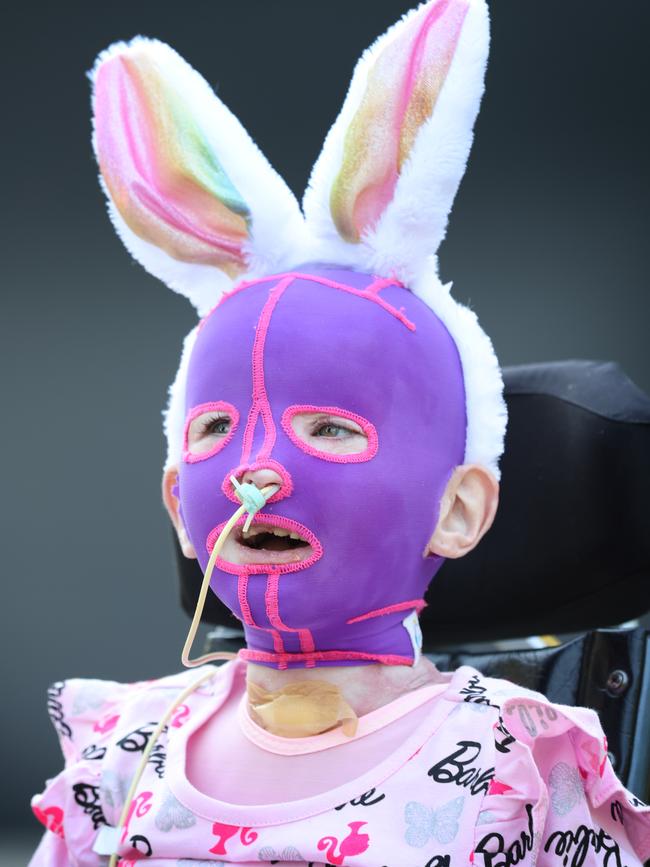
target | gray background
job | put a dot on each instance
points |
(547, 241)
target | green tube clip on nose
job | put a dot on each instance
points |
(252, 498)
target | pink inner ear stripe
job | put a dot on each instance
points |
(413, 69)
(355, 458)
(213, 406)
(412, 605)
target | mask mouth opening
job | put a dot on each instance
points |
(265, 537)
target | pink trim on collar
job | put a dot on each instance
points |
(267, 815)
(367, 724)
(212, 406)
(355, 458)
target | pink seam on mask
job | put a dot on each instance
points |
(234, 291)
(260, 405)
(362, 293)
(355, 458)
(263, 568)
(242, 597)
(371, 292)
(324, 656)
(249, 433)
(273, 613)
(269, 464)
(415, 604)
(378, 285)
(213, 406)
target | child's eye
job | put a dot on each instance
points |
(219, 426)
(333, 431)
(210, 426)
(330, 433)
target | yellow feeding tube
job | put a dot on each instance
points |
(252, 500)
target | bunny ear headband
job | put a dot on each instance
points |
(196, 202)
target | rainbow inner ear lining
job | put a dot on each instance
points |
(401, 92)
(161, 172)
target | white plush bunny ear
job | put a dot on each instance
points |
(382, 189)
(189, 192)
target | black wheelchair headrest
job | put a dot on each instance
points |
(570, 547)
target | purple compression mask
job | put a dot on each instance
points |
(328, 339)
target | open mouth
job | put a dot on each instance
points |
(270, 539)
(263, 537)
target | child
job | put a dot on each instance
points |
(334, 434)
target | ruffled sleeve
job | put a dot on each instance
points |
(84, 714)
(555, 800)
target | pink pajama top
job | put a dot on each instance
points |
(473, 771)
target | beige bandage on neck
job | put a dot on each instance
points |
(301, 709)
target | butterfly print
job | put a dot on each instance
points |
(425, 823)
(92, 696)
(289, 853)
(566, 788)
(173, 815)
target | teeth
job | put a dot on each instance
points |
(255, 530)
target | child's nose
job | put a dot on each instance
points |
(261, 473)
(261, 477)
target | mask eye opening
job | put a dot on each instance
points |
(300, 423)
(197, 447)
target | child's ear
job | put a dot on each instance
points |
(172, 504)
(382, 188)
(467, 511)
